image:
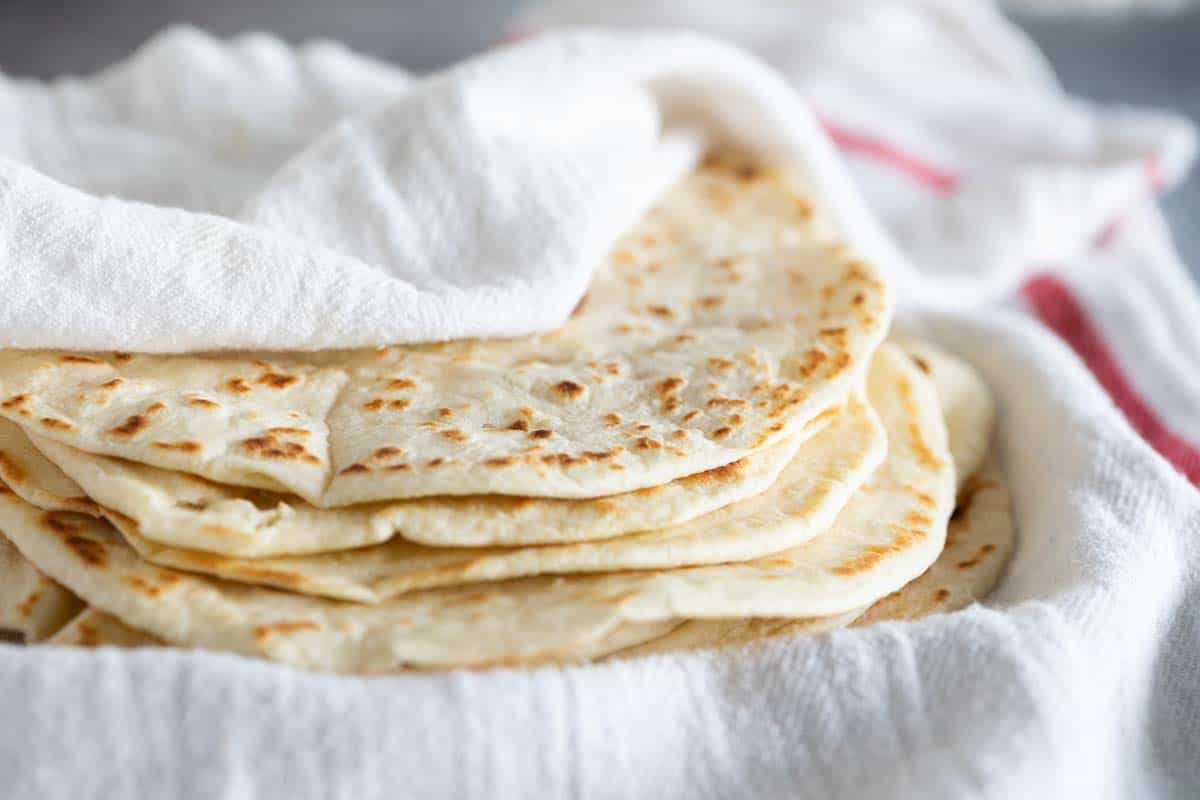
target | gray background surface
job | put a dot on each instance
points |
(1142, 59)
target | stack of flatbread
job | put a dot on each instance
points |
(720, 445)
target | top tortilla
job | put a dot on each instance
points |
(721, 325)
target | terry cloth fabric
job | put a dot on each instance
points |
(1032, 247)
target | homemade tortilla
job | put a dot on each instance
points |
(721, 325)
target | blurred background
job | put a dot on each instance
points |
(1122, 51)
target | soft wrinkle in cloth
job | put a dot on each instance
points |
(1030, 244)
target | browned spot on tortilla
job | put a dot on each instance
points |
(59, 523)
(201, 402)
(401, 383)
(399, 405)
(10, 470)
(74, 359)
(598, 455)
(691, 415)
(541, 433)
(374, 405)
(646, 443)
(290, 431)
(563, 459)
(89, 636)
(277, 380)
(661, 311)
(668, 386)
(922, 364)
(271, 576)
(167, 578)
(714, 402)
(236, 386)
(16, 401)
(119, 356)
(182, 447)
(711, 301)
(142, 585)
(89, 551)
(722, 474)
(612, 420)
(435, 462)
(917, 519)
(137, 422)
(262, 632)
(916, 436)
(398, 467)
(501, 461)
(354, 469)
(455, 435)
(832, 331)
(722, 432)
(941, 594)
(112, 384)
(902, 538)
(389, 451)
(57, 424)
(679, 433)
(519, 425)
(568, 389)
(924, 498)
(25, 607)
(722, 364)
(271, 447)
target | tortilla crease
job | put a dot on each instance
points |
(889, 532)
(722, 324)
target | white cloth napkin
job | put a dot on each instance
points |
(1078, 678)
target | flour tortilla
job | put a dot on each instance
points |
(979, 542)
(183, 511)
(94, 628)
(966, 402)
(31, 604)
(889, 533)
(36, 479)
(803, 503)
(721, 325)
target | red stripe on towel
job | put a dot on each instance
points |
(934, 177)
(1053, 302)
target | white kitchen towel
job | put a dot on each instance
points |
(474, 202)
(1080, 676)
